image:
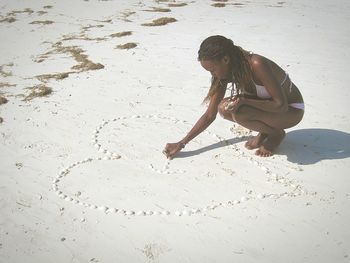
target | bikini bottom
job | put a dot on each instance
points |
(299, 106)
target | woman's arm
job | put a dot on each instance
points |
(278, 102)
(204, 121)
(207, 118)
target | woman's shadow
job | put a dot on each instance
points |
(305, 146)
(309, 146)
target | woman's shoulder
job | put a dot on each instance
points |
(257, 61)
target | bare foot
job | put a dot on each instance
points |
(256, 141)
(273, 140)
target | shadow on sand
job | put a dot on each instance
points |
(210, 147)
(309, 146)
(305, 146)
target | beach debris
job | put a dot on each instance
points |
(8, 20)
(3, 100)
(63, 239)
(161, 21)
(57, 76)
(4, 73)
(44, 22)
(86, 28)
(126, 14)
(1, 120)
(78, 54)
(177, 4)
(11, 16)
(158, 9)
(127, 46)
(218, 5)
(19, 165)
(26, 10)
(38, 91)
(40, 13)
(121, 34)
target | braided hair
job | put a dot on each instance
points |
(216, 48)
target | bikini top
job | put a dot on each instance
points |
(262, 92)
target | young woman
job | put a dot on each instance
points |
(263, 97)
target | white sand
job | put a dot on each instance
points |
(162, 84)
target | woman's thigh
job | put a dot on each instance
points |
(278, 120)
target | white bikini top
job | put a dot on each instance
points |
(262, 92)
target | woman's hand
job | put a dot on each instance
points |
(234, 103)
(172, 148)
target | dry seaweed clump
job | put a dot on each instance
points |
(218, 5)
(125, 15)
(8, 20)
(3, 100)
(121, 34)
(161, 21)
(158, 9)
(38, 91)
(163, 1)
(27, 10)
(5, 73)
(45, 22)
(88, 65)
(127, 46)
(78, 54)
(177, 5)
(6, 84)
(57, 76)
(40, 13)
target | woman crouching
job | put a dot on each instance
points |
(263, 97)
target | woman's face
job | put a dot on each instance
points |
(218, 68)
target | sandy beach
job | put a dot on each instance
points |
(90, 93)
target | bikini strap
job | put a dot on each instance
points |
(285, 78)
(291, 83)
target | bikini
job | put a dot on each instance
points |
(262, 93)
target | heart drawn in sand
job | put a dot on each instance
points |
(187, 185)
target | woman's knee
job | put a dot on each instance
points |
(224, 113)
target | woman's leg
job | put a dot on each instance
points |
(270, 125)
(252, 143)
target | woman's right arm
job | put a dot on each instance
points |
(204, 121)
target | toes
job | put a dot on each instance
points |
(262, 152)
